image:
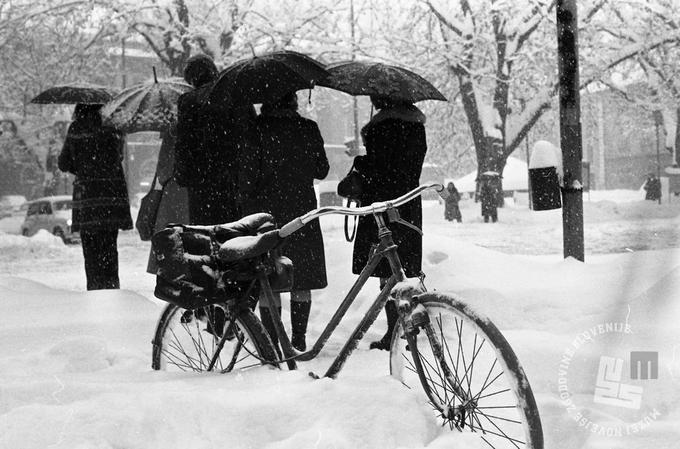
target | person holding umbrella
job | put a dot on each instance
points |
(209, 139)
(94, 154)
(395, 151)
(285, 153)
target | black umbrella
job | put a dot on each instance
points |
(266, 78)
(375, 78)
(75, 93)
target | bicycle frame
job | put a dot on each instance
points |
(385, 249)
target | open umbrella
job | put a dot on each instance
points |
(145, 107)
(74, 93)
(266, 77)
(375, 78)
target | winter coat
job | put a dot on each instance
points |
(284, 155)
(488, 196)
(209, 139)
(395, 150)
(451, 209)
(652, 188)
(94, 154)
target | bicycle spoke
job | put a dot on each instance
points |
(196, 340)
(479, 396)
(495, 393)
(501, 418)
(503, 434)
(180, 349)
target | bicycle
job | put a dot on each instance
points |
(465, 367)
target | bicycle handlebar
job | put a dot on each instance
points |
(377, 207)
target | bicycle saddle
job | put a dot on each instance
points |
(248, 237)
(249, 225)
(248, 246)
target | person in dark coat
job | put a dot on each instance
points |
(488, 195)
(174, 204)
(284, 156)
(451, 209)
(395, 150)
(652, 187)
(94, 154)
(209, 138)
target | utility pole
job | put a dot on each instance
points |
(601, 161)
(355, 104)
(570, 129)
(658, 121)
(123, 68)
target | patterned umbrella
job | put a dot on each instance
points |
(374, 78)
(145, 107)
(266, 77)
(74, 93)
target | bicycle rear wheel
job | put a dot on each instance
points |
(485, 391)
(210, 339)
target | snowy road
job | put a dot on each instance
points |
(77, 362)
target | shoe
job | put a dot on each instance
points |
(299, 316)
(383, 344)
(299, 342)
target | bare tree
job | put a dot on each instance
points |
(502, 57)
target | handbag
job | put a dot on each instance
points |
(351, 187)
(148, 211)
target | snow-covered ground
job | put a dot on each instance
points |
(75, 365)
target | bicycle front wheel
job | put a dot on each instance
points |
(210, 339)
(476, 383)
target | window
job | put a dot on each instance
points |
(63, 205)
(45, 208)
(33, 209)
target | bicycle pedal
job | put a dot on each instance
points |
(313, 376)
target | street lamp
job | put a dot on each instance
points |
(658, 121)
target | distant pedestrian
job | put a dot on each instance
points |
(174, 204)
(451, 208)
(209, 140)
(488, 195)
(285, 155)
(652, 187)
(94, 154)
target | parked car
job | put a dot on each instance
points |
(53, 214)
(10, 204)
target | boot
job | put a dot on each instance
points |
(299, 315)
(268, 323)
(392, 316)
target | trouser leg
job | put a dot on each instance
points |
(100, 253)
(300, 306)
(392, 317)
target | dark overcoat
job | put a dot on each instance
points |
(488, 194)
(209, 139)
(395, 150)
(94, 154)
(284, 156)
(451, 208)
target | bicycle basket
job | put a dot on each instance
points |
(188, 275)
